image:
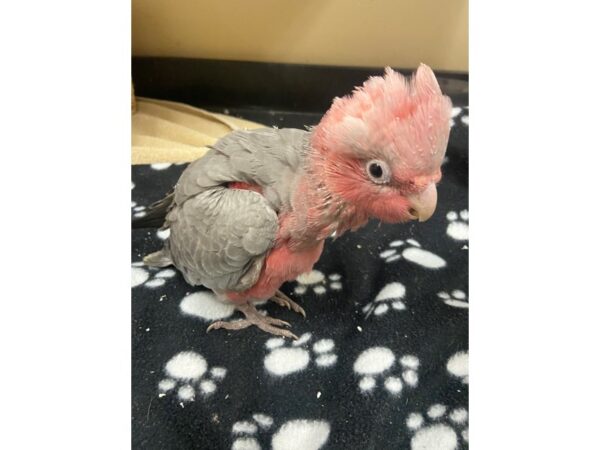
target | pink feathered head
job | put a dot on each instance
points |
(382, 147)
(405, 120)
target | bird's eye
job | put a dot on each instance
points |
(378, 171)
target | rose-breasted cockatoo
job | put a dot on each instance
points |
(255, 211)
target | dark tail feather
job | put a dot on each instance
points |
(156, 213)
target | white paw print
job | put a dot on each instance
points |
(295, 434)
(149, 277)
(458, 366)
(456, 114)
(411, 251)
(188, 372)
(138, 210)
(163, 234)
(439, 430)
(380, 362)
(161, 166)
(456, 298)
(207, 307)
(316, 279)
(245, 431)
(284, 360)
(458, 226)
(390, 296)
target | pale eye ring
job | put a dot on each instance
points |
(378, 171)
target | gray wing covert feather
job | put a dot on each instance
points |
(220, 237)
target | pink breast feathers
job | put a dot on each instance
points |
(282, 264)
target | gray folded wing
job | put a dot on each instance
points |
(264, 157)
(219, 237)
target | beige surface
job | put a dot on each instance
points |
(163, 131)
(376, 33)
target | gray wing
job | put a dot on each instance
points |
(267, 157)
(219, 238)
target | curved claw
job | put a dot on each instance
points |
(278, 322)
(279, 332)
(290, 335)
(283, 300)
(300, 310)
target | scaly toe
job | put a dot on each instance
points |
(235, 325)
(277, 322)
(253, 317)
(278, 331)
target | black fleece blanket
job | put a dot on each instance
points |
(382, 359)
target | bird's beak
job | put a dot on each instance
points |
(422, 205)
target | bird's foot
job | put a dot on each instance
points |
(253, 317)
(283, 300)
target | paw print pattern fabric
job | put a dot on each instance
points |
(382, 356)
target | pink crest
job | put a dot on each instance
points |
(404, 120)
